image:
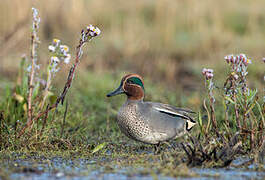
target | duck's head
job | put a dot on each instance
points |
(132, 85)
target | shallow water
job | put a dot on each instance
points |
(59, 168)
(229, 174)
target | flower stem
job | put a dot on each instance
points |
(31, 77)
(64, 92)
(46, 90)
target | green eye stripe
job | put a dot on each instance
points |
(136, 80)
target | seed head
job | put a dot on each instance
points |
(208, 73)
(246, 61)
(229, 58)
(93, 31)
(36, 19)
(238, 59)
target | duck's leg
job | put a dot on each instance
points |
(157, 148)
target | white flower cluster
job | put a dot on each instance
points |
(238, 59)
(90, 33)
(93, 31)
(263, 59)
(60, 53)
(36, 19)
(208, 73)
(35, 27)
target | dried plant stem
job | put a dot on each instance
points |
(252, 136)
(1, 124)
(245, 121)
(261, 123)
(210, 85)
(212, 113)
(237, 117)
(36, 118)
(31, 77)
(46, 90)
(226, 118)
(235, 106)
(245, 90)
(208, 123)
(226, 104)
(44, 121)
(64, 117)
(64, 92)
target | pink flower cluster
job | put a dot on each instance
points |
(208, 73)
(238, 59)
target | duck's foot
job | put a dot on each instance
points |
(157, 149)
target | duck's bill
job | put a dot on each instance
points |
(119, 90)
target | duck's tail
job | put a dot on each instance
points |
(190, 123)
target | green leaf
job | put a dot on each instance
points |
(99, 147)
(200, 122)
(52, 97)
(229, 99)
(36, 90)
(251, 96)
(261, 113)
(200, 119)
(251, 107)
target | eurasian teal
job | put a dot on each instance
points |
(149, 122)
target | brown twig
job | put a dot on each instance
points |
(31, 79)
(64, 117)
(33, 55)
(228, 80)
(1, 122)
(211, 100)
(244, 92)
(236, 106)
(208, 74)
(86, 36)
(64, 92)
(44, 120)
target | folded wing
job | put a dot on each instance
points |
(175, 112)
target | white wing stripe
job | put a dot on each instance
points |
(171, 112)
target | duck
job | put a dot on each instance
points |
(149, 122)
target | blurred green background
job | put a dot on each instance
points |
(167, 42)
